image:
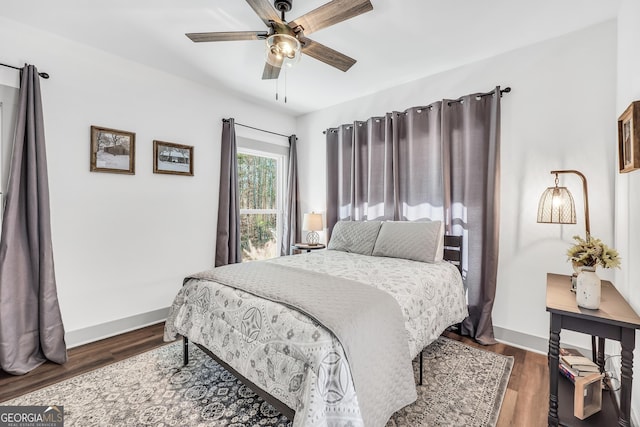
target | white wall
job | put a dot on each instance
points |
(122, 244)
(9, 101)
(628, 184)
(560, 115)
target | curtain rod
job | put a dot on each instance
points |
(258, 129)
(480, 95)
(502, 92)
(43, 75)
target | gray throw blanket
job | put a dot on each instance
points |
(367, 321)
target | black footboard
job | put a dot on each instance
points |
(185, 350)
(421, 351)
(276, 403)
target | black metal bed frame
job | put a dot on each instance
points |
(452, 254)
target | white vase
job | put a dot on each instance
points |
(588, 286)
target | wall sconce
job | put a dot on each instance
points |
(312, 222)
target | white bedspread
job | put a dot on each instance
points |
(293, 358)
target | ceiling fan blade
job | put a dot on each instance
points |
(227, 36)
(326, 54)
(270, 72)
(331, 13)
(265, 11)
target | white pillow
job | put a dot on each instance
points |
(354, 236)
(418, 241)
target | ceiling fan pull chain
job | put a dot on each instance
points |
(285, 85)
(276, 89)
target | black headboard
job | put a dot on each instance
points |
(453, 250)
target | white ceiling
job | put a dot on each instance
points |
(397, 42)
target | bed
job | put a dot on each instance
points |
(299, 365)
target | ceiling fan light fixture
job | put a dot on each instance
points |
(286, 38)
(282, 49)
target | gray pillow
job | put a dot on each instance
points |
(354, 236)
(418, 241)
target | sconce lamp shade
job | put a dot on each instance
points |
(557, 206)
(312, 222)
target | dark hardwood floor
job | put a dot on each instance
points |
(525, 402)
(83, 359)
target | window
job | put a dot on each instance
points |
(260, 182)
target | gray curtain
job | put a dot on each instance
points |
(339, 145)
(228, 249)
(471, 135)
(291, 231)
(438, 162)
(31, 329)
(378, 169)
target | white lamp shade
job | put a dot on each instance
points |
(556, 206)
(312, 222)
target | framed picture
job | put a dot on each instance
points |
(174, 159)
(629, 138)
(112, 151)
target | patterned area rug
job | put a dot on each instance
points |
(464, 386)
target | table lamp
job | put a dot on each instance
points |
(312, 222)
(556, 206)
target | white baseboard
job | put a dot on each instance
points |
(528, 342)
(521, 340)
(115, 327)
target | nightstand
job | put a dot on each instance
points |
(616, 320)
(306, 247)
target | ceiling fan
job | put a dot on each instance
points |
(286, 40)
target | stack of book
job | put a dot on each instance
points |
(573, 364)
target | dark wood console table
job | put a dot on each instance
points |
(615, 319)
